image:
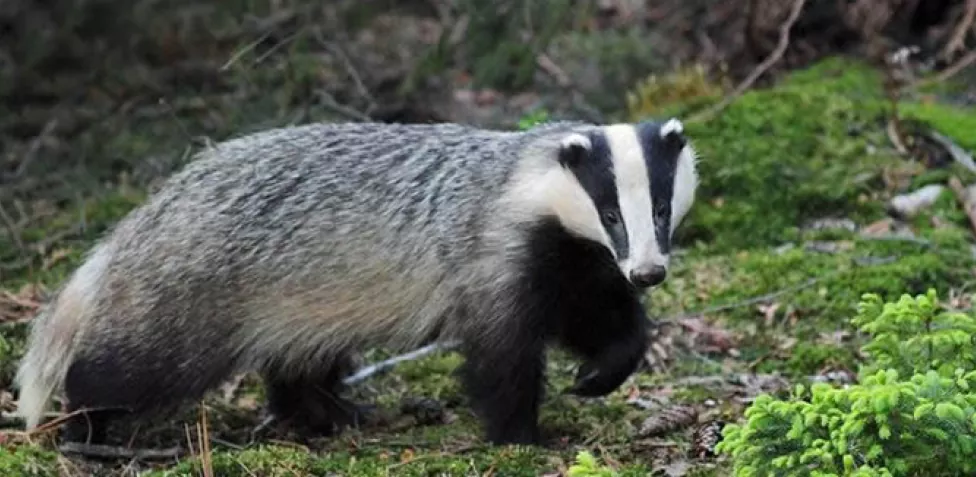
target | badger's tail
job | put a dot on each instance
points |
(54, 335)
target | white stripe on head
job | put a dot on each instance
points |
(634, 194)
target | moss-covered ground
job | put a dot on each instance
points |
(790, 228)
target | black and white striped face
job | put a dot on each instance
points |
(640, 180)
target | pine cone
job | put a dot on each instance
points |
(668, 419)
(705, 438)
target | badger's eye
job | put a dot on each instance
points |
(611, 217)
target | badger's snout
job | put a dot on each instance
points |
(646, 276)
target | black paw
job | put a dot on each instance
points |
(594, 382)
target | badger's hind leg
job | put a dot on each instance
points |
(309, 402)
(115, 382)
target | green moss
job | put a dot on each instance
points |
(277, 460)
(816, 292)
(812, 146)
(27, 461)
(262, 460)
(778, 158)
(839, 75)
(955, 122)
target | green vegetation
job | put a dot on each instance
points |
(912, 412)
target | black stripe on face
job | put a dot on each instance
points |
(594, 171)
(661, 156)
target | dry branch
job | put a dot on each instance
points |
(775, 56)
(958, 39)
(961, 64)
(748, 302)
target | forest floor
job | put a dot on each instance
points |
(792, 224)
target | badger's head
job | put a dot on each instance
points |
(627, 187)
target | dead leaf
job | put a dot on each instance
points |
(708, 337)
(407, 455)
(769, 312)
(56, 256)
(22, 305)
(880, 227)
(787, 344)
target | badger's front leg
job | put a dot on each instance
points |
(616, 356)
(503, 372)
(503, 375)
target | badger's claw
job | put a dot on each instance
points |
(594, 382)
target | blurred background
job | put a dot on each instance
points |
(94, 88)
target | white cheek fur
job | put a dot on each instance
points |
(685, 186)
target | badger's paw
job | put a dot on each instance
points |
(596, 381)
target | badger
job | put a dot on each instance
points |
(285, 252)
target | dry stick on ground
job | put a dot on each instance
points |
(203, 438)
(958, 39)
(776, 55)
(370, 370)
(749, 302)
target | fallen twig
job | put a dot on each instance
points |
(958, 39)
(203, 440)
(113, 452)
(748, 302)
(962, 63)
(243, 51)
(382, 366)
(892, 130)
(775, 56)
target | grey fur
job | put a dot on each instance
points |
(285, 245)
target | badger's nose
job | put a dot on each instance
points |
(648, 276)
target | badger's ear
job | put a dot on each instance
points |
(673, 133)
(573, 149)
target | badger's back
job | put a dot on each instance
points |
(317, 234)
